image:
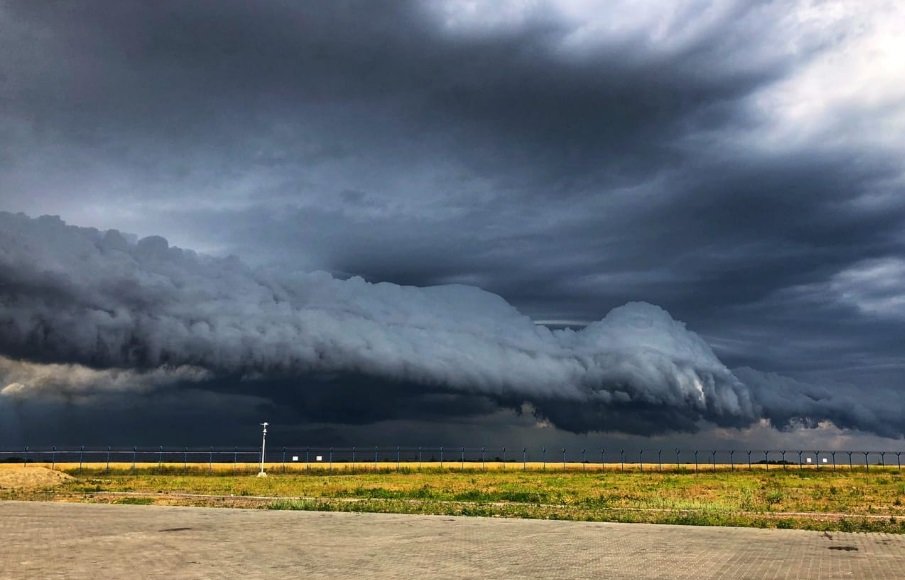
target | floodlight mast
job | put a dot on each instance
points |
(263, 447)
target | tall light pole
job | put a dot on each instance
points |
(263, 445)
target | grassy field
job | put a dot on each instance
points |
(455, 465)
(787, 498)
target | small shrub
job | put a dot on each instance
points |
(471, 495)
(135, 501)
(423, 492)
(522, 497)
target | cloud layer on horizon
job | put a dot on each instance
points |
(80, 296)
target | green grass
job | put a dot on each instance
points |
(806, 499)
(135, 501)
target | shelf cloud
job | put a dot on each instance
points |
(94, 307)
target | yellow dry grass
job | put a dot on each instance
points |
(434, 465)
(17, 477)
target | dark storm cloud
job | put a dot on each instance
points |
(80, 295)
(290, 88)
(788, 402)
(179, 62)
(569, 160)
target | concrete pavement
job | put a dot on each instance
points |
(58, 540)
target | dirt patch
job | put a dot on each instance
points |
(17, 477)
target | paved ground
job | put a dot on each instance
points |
(55, 540)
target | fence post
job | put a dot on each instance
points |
(883, 458)
(767, 460)
(307, 458)
(375, 457)
(160, 457)
(26, 457)
(731, 460)
(899, 459)
(504, 458)
(330, 466)
(210, 460)
(850, 465)
(185, 458)
(799, 460)
(419, 457)
(713, 460)
(622, 460)
(53, 458)
(783, 460)
(866, 461)
(441, 457)
(235, 459)
(108, 459)
(660, 459)
(353, 458)
(583, 462)
(602, 458)
(834, 461)
(482, 459)
(284, 460)
(543, 456)
(81, 455)
(677, 460)
(397, 458)
(749, 460)
(524, 458)
(817, 459)
(695, 460)
(641, 460)
(462, 460)
(563, 458)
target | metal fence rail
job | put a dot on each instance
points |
(398, 457)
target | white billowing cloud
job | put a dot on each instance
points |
(642, 343)
(78, 295)
(28, 380)
(875, 287)
(754, 34)
(591, 21)
(852, 90)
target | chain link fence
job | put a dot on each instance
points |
(398, 457)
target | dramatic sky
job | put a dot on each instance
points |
(564, 223)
